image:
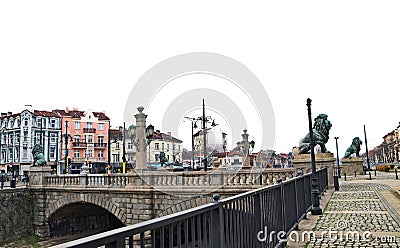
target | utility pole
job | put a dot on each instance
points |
(123, 151)
(204, 137)
(66, 147)
(366, 148)
(109, 150)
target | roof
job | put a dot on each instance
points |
(79, 113)
(45, 113)
(166, 137)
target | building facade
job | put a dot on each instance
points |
(20, 132)
(85, 140)
(164, 142)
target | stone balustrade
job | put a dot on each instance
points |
(169, 179)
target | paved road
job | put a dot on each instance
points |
(363, 213)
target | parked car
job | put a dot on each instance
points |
(177, 167)
(234, 167)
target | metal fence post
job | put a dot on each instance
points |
(257, 219)
(217, 233)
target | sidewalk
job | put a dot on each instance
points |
(363, 213)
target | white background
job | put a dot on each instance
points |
(345, 55)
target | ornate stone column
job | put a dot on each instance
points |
(246, 159)
(141, 139)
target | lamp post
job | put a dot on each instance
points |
(337, 158)
(123, 151)
(315, 210)
(1, 145)
(193, 125)
(366, 148)
(149, 136)
(66, 148)
(397, 142)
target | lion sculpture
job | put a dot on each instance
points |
(320, 134)
(355, 147)
(38, 156)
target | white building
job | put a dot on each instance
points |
(20, 132)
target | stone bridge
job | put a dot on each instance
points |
(91, 203)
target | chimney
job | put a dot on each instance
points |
(66, 110)
(75, 109)
(157, 131)
(9, 113)
(3, 114)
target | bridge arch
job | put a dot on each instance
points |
(184, 205)
(87, 198)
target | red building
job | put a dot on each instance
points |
(87, 138)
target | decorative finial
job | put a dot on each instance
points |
(244, 130)
(140, 109)
(216, 197)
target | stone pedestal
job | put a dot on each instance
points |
(322, 160)
(37, 174)
(141, 159)
(350, 165)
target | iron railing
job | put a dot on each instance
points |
(251, 219)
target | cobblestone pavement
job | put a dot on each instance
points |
(358, 216)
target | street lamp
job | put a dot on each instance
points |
(204, 120)
(366, 148)
(193, 122)
(315, 209)
(149, 136)
(337, 158)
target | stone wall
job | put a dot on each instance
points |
(16, 218)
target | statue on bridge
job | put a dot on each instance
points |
(38, 157)
(320, 133)
(355, 147)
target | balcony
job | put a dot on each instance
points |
(89, 130)
(79, 144)
(100, 145)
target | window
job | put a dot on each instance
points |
(167, 146)
(76, 154)
(25, 135)
(53, 123)
(25, 153)
(117, 145)
(116, 158)
(162, 146)
(39, 122)
(157, 157)
(179, 147)
(53, 137)
(90, 153)
(100, 139)
(89, 125)
(100, 154)
(52, 151)
(77, 138)
(130, 158)
(26, 122)
(174, 147)
(130, 146)
(90, 138)
(101, 126)
(157, 146)
(77, 125)
(44, 122)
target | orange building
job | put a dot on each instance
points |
(85, 139)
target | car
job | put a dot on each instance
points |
(234, 167)
(177, 167)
